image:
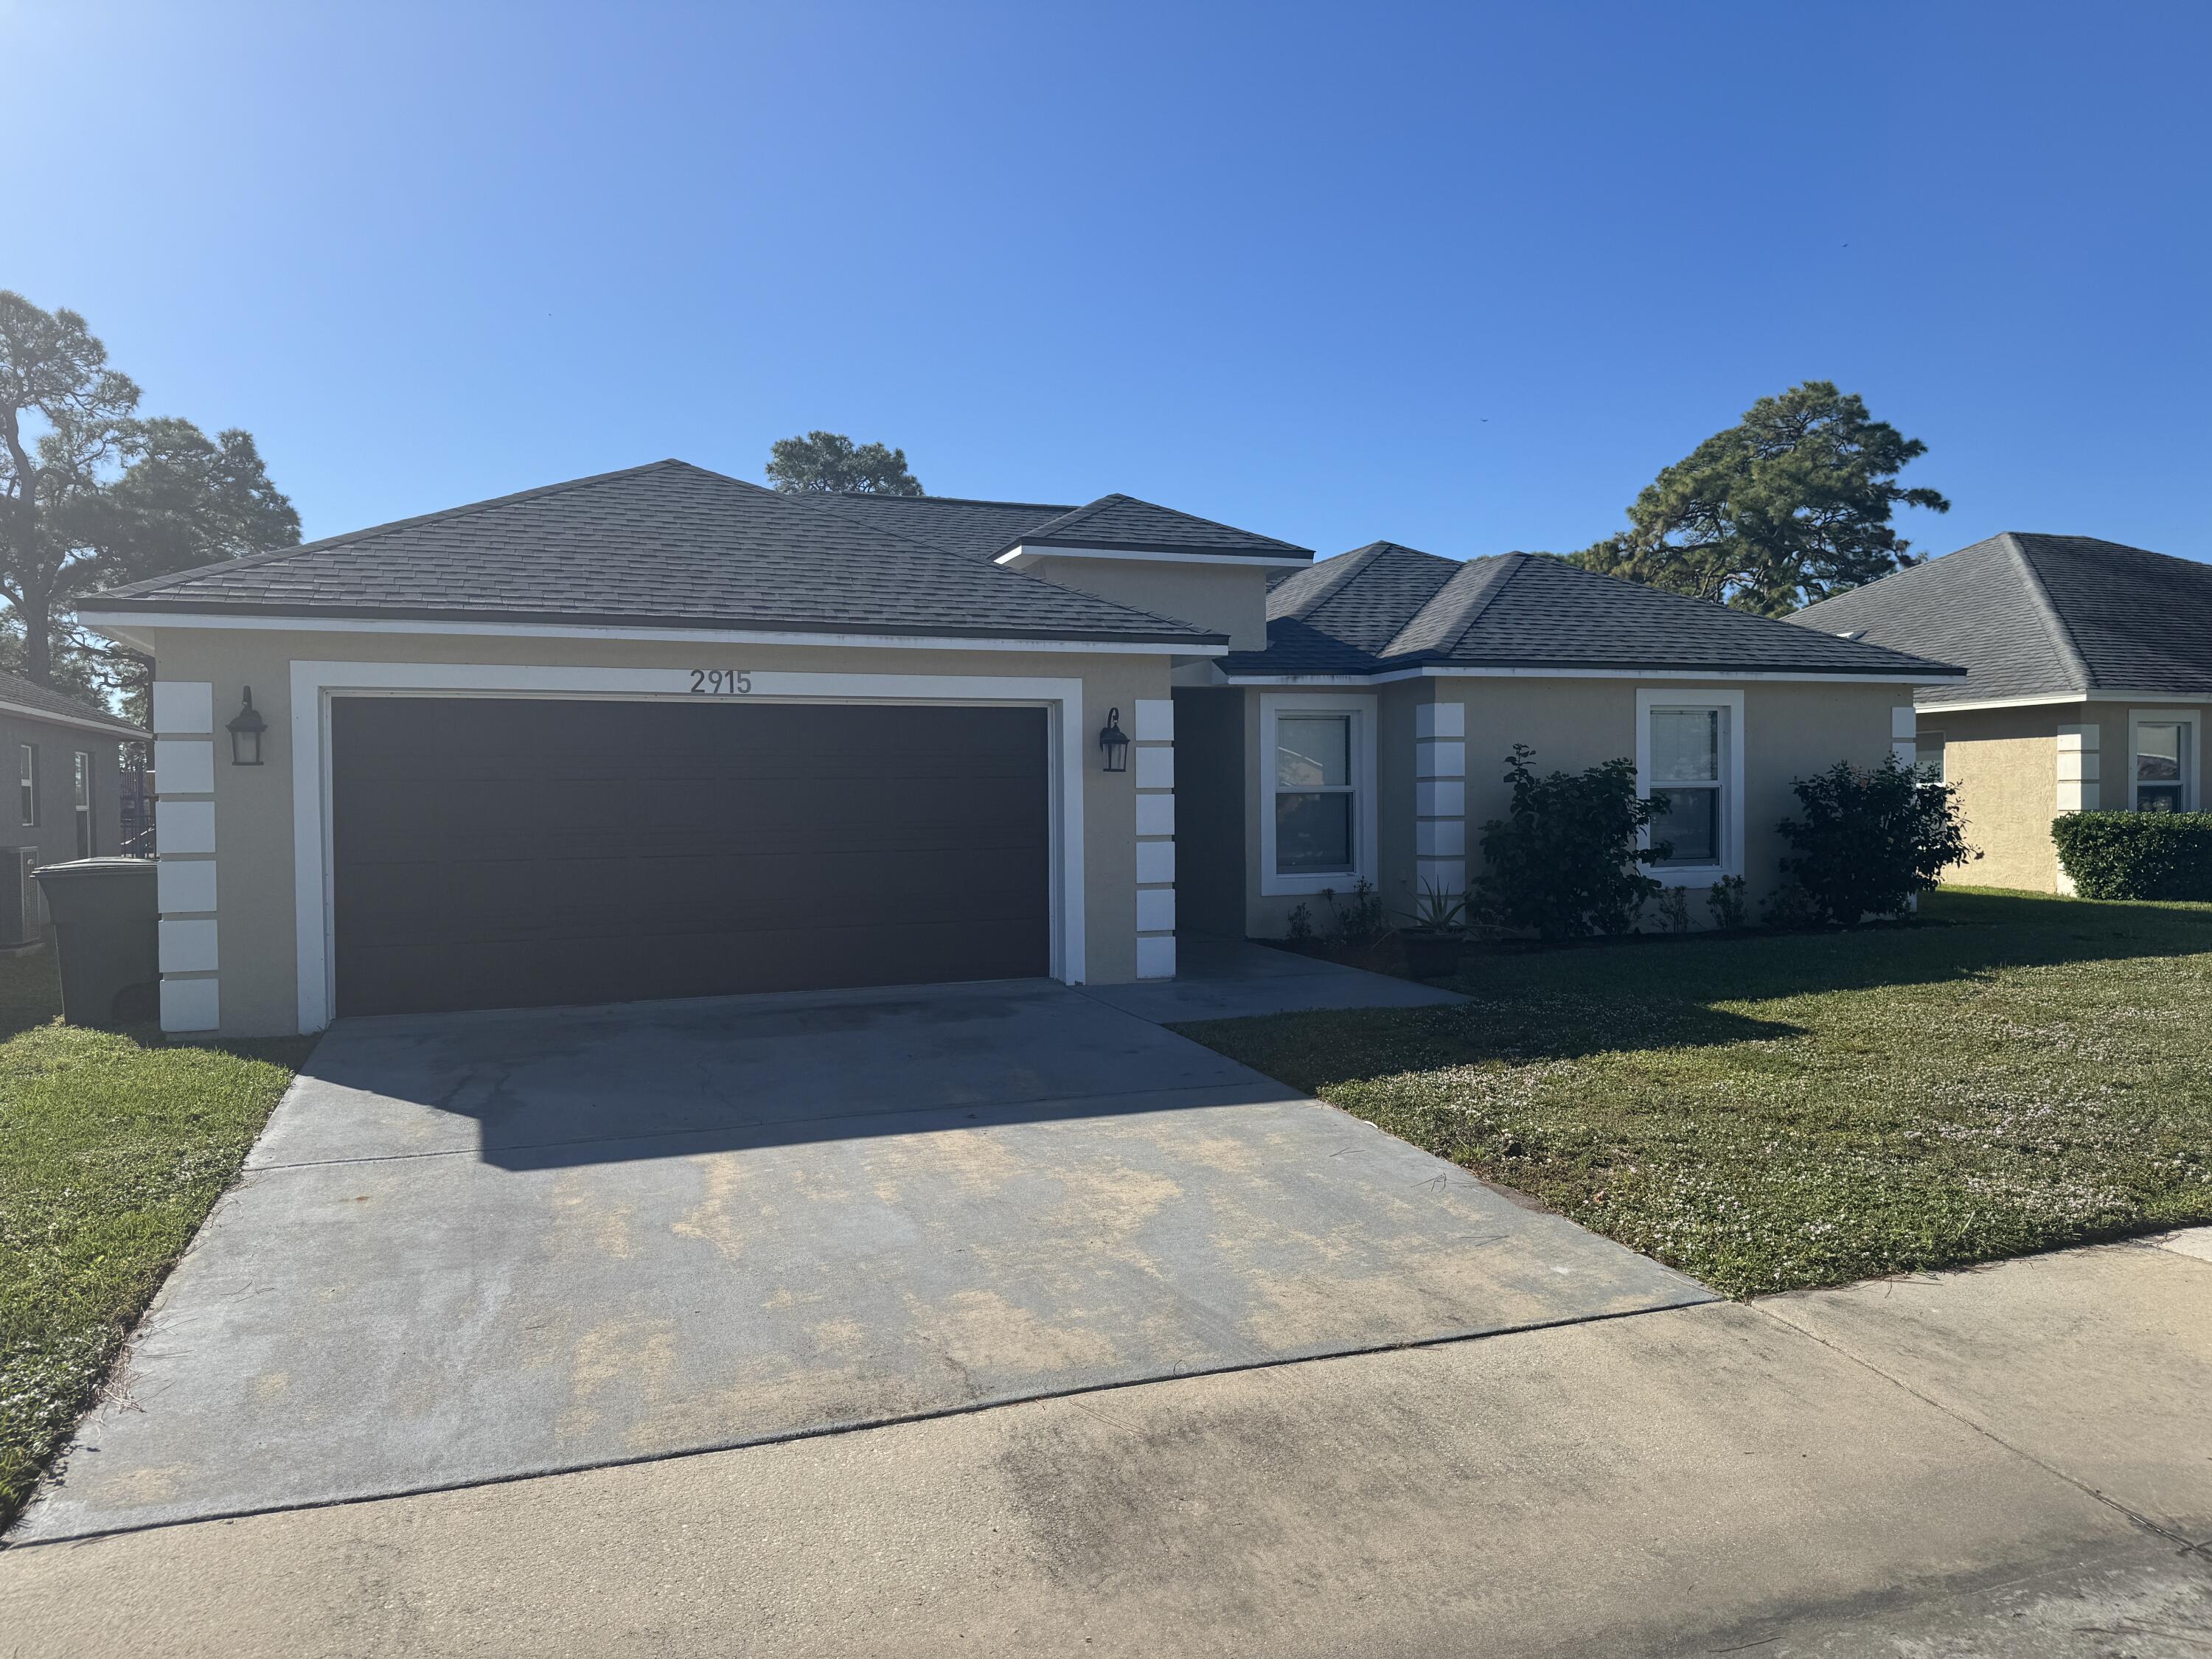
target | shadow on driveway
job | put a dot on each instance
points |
(479, 1247)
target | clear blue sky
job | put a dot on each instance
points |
(1461, 276)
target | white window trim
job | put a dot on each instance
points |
(1942, 747)
(1732, 746)
(81, 801)
(314, 684)
(2188, 720)
(1364, 835)
(26, 784)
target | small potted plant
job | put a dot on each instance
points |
(1432, 942)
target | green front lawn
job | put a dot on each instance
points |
(2013, 1073)
(112, 1149)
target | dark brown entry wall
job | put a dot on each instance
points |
(498, 852)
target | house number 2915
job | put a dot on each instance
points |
(721, 682)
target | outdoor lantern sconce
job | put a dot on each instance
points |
(246, 728)
(1115, 742)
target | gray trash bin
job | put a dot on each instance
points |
(106, 927)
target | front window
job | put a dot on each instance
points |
(28, 771)
(1315, 793)
(2161, 755)
(81, 802)
(1314, 805)
(1688, 785)
(1931, 757)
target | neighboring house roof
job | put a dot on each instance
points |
(2033, 616)
(1124, 524)
(978, 530)
(28, 700)
(669, 545)
(1385, 607)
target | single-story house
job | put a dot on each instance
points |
(2089, 683)
(64, 758)
(661, 732)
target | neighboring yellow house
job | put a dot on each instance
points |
(2089, 681)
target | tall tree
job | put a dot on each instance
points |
(92, 495)
(829, 461)
(1788, 506)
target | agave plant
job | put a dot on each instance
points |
(1438, 911)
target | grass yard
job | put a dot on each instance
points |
(113, 1150)
(2016, 1073)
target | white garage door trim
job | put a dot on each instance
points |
(313, 683)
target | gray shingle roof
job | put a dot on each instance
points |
(978, 530)
(1338, 617)
(1124, 523)
(16, 692)
(2033, 616)
(669, 545)
(1387, 607)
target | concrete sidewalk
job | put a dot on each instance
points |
(2015, 1461)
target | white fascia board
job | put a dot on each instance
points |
(111, 622)
(1020, 557)
(2063, 699)
(75, 722)
(1700, 675)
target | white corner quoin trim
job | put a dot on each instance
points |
(314, 684)
(184, 708)
(1731, 864)
(1365, 811)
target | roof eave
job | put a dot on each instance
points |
(1284, 554)
(150, 613)
(87, 721)
(1913, 674)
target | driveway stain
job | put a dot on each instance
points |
(710, 1224)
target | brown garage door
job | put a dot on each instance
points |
(493, 853)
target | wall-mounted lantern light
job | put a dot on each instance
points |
(246, 728)
(1115, 742)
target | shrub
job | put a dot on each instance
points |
(1563, 861)
(1301, 927)
(1673, 909)
(1871, 838)
(1790, 907)
(2136, 855)
(1725, 899)
(1360, 920)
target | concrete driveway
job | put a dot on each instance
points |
(478, 1247)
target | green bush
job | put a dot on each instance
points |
(2136, 855)
(1564, 862)
(1871, 838)
(1725, 899)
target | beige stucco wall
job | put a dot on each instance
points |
(1223, 599)
(1789, 730)
(2005, 762)
(256, 929)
